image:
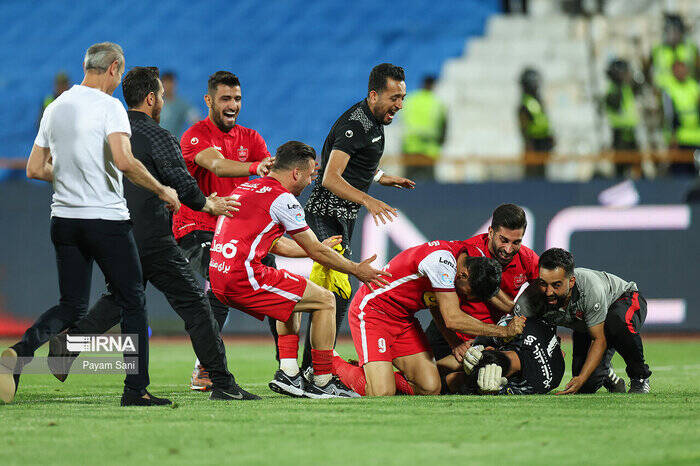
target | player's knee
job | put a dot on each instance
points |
(327, 300)
(381, 389)
(430, 386)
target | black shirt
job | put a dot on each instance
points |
(357, 133)
(541, 360)
(160, 152)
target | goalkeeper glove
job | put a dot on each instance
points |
(472, 358)
(489, 379)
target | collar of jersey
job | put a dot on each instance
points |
(213, 127)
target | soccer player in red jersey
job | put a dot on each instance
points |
(386, 332)
(269, 209)
(503, 242)
(220, 155)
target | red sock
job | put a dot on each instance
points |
(288, 346)
(322, 360)
(402, 385)
(352, 376)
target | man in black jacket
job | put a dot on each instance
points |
(162, 261)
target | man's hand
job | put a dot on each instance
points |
(396, 182)
(265, 166)
(380, 210)
(472, 358)
(169, 196)
(515, 326)
(572, 387)
(460, 350)
(332, 241)
(221, 205)
(489, 379)
(369, 275)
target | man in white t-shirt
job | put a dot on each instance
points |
(83, 148)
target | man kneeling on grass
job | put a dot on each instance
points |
(387, 334)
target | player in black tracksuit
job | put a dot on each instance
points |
(538, 352)
(349, 163)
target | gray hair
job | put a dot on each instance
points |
(100, 56)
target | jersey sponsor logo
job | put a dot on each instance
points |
(348, 133)
(448, 262)
(293, 206)
(220, 266)
(530, 339)
(227, 250)
(194, 141)
(519, 280)
(264, 189)
(242, 153)
(376, 139)
(553, 343)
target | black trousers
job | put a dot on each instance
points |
(437, 342)
(625, 318)
(325, 227)
(79, 243)
(171, 274)
(196, 248)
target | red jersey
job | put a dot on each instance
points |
(429, 267)
(523, 268)
(240, 144)
(267, 211)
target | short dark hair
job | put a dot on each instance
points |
(292, 154)
(558, 257)
(429, 81)
(493, 357)
(509, 216)
(379, 75)
(484, 276)
(138, 83)
(222, 77)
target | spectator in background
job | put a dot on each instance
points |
(61, 83)
(534, 124)
(177, 115)
(424, 120)
(675, 47)
(621, 108)
(681, 104)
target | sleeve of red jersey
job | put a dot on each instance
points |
(441, 268)
(287, 211)
(194, 141)
(260, 151)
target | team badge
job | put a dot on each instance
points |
(348, 133)
(242, 154)
(519, 280)
(194, 141)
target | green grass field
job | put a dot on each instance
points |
(80, 422)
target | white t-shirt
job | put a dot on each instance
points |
(86, 182)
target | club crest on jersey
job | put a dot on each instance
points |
(194, 141)
(519, 280)
(299, 217)
(242, 153)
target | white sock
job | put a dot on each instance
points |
(289, 366)
(322, 379)
(196, 363)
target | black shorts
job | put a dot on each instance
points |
(437, 342)
(324, 227)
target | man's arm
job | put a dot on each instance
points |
(331, 259)
(39, 165)
(286, 247)
(502, 302)
(458, 321)
(214, 161)
(593, 358)
(335, 183)
(136, 172)
(458, 346)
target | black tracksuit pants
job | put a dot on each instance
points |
(110, 243)
(622, 324)
(171, 274)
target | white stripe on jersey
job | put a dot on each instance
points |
(363, 336)
(253, 247)
(393, 285)
(482, 252)
(284, 294)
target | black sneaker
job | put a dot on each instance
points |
(286, 385)
(613, 383)
(8, 379)
(639, 386)
(129, 398)
(60, 359)
(333, 389)
(232, 393)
